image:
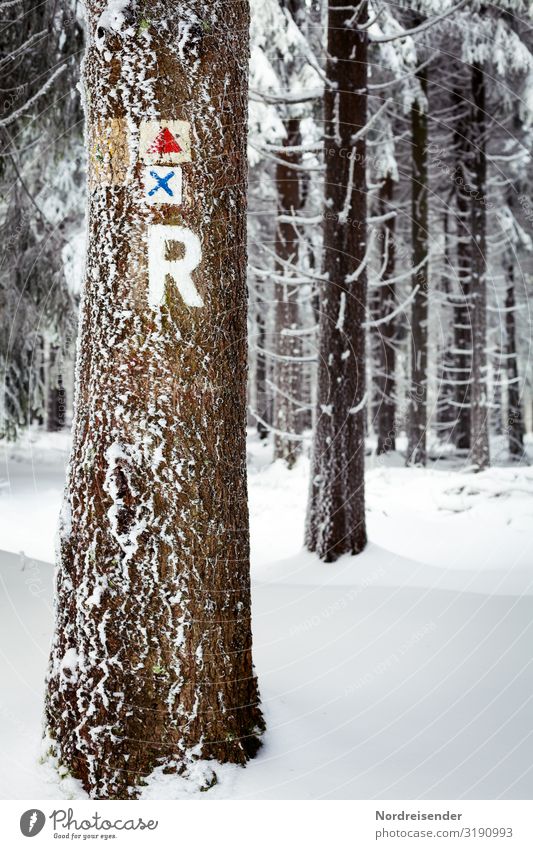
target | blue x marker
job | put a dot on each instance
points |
(161, 183)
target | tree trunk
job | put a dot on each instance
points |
(446, 411)
(385, 333)
(336, 517)
(262, 396)
(151, 659)
(479, 449)
(515, 422)
(417, 407)
(56, 394)
(497, 413)
(287, 345)
(462, 309)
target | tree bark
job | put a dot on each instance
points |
(462, 309)
(446, 411)
(479, 419)
(151, 660)
(417, 406)
(263, 402)
(515, 421)
(336, 516)
(385, 334)
(56, 393)
(288, 346)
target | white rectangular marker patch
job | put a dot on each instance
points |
(179, 270)
(162, 184)
(165, 142)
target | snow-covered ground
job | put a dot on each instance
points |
(402, 673)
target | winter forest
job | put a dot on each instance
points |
(265, 345)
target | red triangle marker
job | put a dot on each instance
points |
(164, 142)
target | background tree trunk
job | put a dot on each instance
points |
(446, 411)
(336, 516)
(288, 368)
(480, 456)
(462, 311)
(417, 409)
(515, 421)
(151, 659)
(56, 401)
(385, 334)
(262, 395)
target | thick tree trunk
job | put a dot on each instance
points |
(462, 310)
(151, 659)
(385, 333)
(288, 380)
(479, 449)
(336, 516)
(417, 407)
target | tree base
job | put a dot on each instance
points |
(199, 770)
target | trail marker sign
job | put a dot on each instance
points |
(109, 154)
(162, 184)
(160, 238)
(165, 142)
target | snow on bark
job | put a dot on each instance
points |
(151, 660)
(417, 410)
(479, 449)
(336, 514)
(383, 326)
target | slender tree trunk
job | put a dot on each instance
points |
(56, 394)
(417, 408)
(336, 517)
(497, 411)
(479, 408)
(262, 396)
(385, 333)
(288, 368)
(310, 318)
(515, 421)
(462, 310)
(37, 385)
(446, 388)
(151, 659)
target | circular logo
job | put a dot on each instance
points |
(32, 822)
